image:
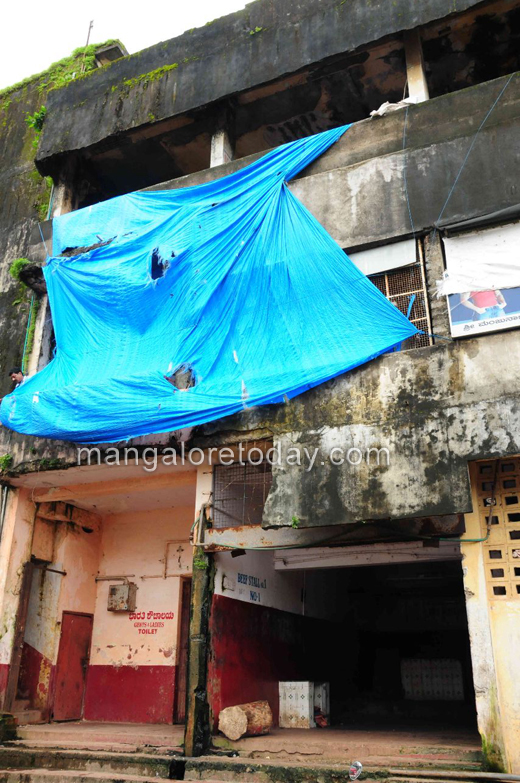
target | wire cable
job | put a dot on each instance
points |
(468, 153)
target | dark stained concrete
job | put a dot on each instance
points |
(357, 189)
(235, 53)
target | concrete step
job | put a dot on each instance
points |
(470, 777)
(22, 704)
(15, 757)
(452, 775)
(26, 716)
(68, 776)
(378, 748)
(113, 747)
(378, 757)
(74, 734)
(411, 780)
(238, 770)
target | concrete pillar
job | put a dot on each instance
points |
(221, 148)
(62, 200)
(15, 552)
(494, 633)
(197, 735)
(434, 270)
(417, 85)
(42, 316)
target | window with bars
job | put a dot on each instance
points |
(239, 494)
(399, 285)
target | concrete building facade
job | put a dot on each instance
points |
(381, 506)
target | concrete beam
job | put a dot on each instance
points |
(366, 555)
(116, 487)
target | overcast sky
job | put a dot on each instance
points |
(36, 34)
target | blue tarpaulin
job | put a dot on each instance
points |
(234, 279)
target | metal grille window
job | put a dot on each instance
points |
(399, 285)
(239, 494)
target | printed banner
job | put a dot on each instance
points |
(475, 312)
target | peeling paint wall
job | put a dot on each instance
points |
(68, 540)
(40, 639)
(134, 655)
(14, 552)
(494, 628)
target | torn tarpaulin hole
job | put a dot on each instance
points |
(159, 264)
(183, 378)
(70, 252)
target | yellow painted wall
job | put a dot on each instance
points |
(494, 627)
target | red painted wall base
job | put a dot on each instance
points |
(35, 680)
(141, 694)
(4, 674)
(253, 648)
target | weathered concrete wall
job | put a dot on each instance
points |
(357, 188)
(231, 54)
(24, 199)
(68, 540)
(433, 409)
(15, 550)
(24, 196)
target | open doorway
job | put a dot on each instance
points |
(393, 643)
(384, 625)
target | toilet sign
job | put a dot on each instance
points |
(150, 622)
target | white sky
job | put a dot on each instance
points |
(36, 34)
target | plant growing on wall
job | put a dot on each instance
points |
(17, 266)
(6, 460)
(35, 121)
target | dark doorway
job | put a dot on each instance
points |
(394, 645)
(182, 661)
(71, 669)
